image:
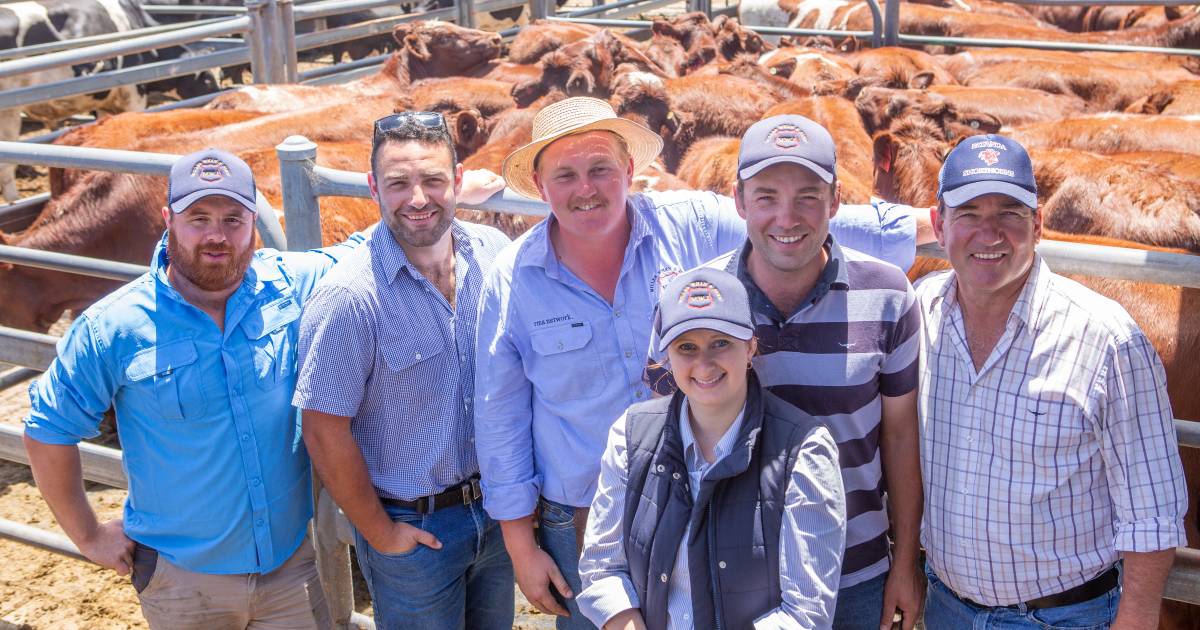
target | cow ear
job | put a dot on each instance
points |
(467, 126)
(921, 80)
(416, 47)
(1173, 12)
(401, 32)
(785, 68)
(885, 152)
(985, 123)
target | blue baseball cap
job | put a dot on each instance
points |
(787, 138)
(986, 164)
(209, 172)
(706, 297)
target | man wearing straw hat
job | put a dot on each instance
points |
(565, 319)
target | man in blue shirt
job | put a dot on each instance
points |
(387, 375)
(565, 319)
(198, 359)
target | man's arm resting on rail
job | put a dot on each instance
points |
(59, 476)
(341, 467)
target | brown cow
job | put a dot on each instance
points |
(855, 156)
(1105, 88)
(1011, 105)
(821, 71)
(711, 164)
(1114, 133)
(881, 107)
(539, 37)
(1179, 98)
(965, 63)
(899, 68)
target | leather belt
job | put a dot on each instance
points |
(1091, 589)
(464, 493)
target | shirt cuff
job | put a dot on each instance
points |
(777, 620)
(1150, 534)
(605, 598)
(509, 501)
(898, 235)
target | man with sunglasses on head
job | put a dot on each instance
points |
(386, 383)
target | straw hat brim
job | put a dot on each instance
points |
(644, 146)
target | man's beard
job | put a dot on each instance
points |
(208, 276)
(418, 237)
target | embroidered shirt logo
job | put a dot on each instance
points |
(210, 170)
(699, 295)
(989, 156)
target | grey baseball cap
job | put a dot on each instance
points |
(210, 172)
(706, 297)
(787, 138)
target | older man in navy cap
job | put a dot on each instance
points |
(1054, 494)
(198, 358)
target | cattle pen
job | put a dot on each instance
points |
(304, 183)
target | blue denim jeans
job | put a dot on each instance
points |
(945, 611)
(468, 583)
(859, 607)
(556, 536)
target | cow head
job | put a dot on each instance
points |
(907, 160)
(444, 49)
(733, 40)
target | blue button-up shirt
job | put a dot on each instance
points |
(380, 344)
(557, 364)
(219, 479)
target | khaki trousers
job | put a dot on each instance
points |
(288, 598)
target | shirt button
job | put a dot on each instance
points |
(616, 313)
(418, 357)
(638, 395)
(664, 578)
(255, 481)
(259, 522)
(245, 437)
(628, 354)
(721, 564)
(661, 468)
(560, 345)
(462, 357)
(675, 475)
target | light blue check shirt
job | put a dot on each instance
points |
(556, 364)
(219, 479)
(380, 344)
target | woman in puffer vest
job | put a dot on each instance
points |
(721, 506)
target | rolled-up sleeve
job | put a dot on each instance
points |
(887, 231)
(812, 538)
(68, 401)
(1140, 450)
(603, 569)
(503, 409)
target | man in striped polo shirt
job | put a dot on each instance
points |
(838, 338)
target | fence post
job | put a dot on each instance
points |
(301, 208)
(256, 40)
(704, 6)
(287, 35)
(466, 13)
(891, 23)
(537, 10)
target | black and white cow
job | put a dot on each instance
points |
(35, 22)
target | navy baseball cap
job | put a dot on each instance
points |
(787, 138)
(986, 164)
(706, 297)
(209, 172)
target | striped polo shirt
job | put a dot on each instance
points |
(855, 338)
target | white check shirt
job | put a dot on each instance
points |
(1056, 456)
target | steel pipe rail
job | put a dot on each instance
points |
(367, 29)
(68, 263)
(16, 376)
(1042, 45)
(1120, 263)
(1188, 433)
(24, 348)
(80, 42)
(18, 215)
(326, 8)
(192, 9)
(100, 464)
(124, 47)
(125, 76)
(328, 181)
(40, 538)
(762, 30)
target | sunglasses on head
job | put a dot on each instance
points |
(433, 120)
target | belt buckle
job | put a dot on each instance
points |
(471, 491)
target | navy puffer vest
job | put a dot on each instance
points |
(733, 547)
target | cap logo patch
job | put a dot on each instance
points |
(982, 144)
(787, 136)
(989, 156)
(700, 295)
(210, 170)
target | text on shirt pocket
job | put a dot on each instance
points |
(165, 372)
(272, 341)
(566, 366)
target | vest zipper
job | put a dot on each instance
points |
(718, 613)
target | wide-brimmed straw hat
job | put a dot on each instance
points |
(577, 115)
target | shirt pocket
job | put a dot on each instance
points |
(168, 375)
(566, 365)
(409, 357)
(273, 341)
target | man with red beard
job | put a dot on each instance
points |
(198, 358)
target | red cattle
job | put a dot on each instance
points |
(711, 164)
(855, 156)
(821, 71)
(539, 37)
(899, 68)
(1114, 133)
(1011, 105)
(1105, 88)
(1182, 97)
(962, 64)
(880, 108)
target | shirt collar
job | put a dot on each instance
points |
(540, 251)
(391, 256)
(833, 274)
(1031, 294)
(695, 461)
